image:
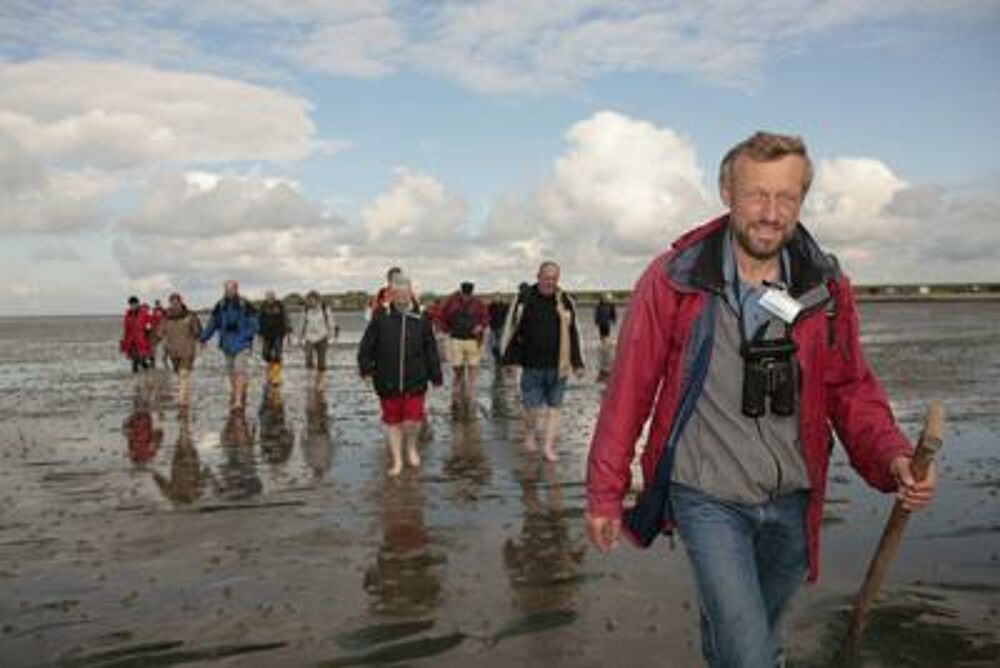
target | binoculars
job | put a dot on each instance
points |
(769, 370)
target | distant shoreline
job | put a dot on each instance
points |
(589, 298)
(933, 297)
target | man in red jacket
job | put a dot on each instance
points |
(745, 334)
(464, 319)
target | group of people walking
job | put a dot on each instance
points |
(538, 332)
(398, 353)
(237, 322)
(740, 357)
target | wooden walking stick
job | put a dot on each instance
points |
(930, 442)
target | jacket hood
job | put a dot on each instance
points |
(695, 261)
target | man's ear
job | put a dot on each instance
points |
(726, 195)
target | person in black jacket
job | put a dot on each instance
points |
(542, 336)
(274, 328)
(605, 317)
(399, 353)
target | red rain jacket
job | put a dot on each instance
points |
(136, 326)
(661, 364)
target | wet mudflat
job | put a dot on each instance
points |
(132, 534)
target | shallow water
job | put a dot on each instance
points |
(133, 535)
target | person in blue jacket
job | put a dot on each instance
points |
(235, 319)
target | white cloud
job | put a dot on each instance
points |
(416, 213)
(366, 44)
(621, 191)
(58, 252)
(848, 200)
(114, 114)
(34, 198)
(191, 231)
(630, 183)
(203, 204)
(494, 46)
(887, 230)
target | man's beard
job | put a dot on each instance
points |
(742, 237)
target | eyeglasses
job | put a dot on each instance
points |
(783, 201)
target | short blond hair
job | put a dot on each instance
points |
(764, 147)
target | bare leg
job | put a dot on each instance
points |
(530, 425)
(456, 384)
(551, 434)
(470, 384)
(239, 388)
(183, 387)
(411, 432)
(456, 392)
(394, 437)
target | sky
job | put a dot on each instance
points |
(148, 147)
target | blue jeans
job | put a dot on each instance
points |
(542, 387)
(748, 562)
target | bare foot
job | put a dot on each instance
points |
(414, 458)
(550, 454)
(530, 444)
(395, 470)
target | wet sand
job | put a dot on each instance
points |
(133, 535)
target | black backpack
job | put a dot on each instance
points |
(463, 322)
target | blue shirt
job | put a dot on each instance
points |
(755, 316)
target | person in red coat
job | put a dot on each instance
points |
(136, 326)
(741, 347)
(464, 318)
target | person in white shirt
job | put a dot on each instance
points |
(317, 330)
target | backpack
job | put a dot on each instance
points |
(462, 323)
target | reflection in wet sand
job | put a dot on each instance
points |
(543, 563)
(911, 628)
(277, 438)
(238, 477)
(317, 441)
(188, 478)
(405, 577)
(143, 437)
(467, 464)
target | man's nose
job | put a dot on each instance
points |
(772, 209)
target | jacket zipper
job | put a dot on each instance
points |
(402, 353)
(778, 473)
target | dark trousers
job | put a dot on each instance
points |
(139, 362)
(272, 348)
(319, 350)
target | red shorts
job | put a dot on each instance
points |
(402, 408)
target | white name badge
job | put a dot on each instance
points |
(779, 303)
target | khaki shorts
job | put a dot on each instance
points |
(182, 362)
(239, 363)
(464, 352)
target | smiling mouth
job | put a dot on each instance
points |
(767, 232)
